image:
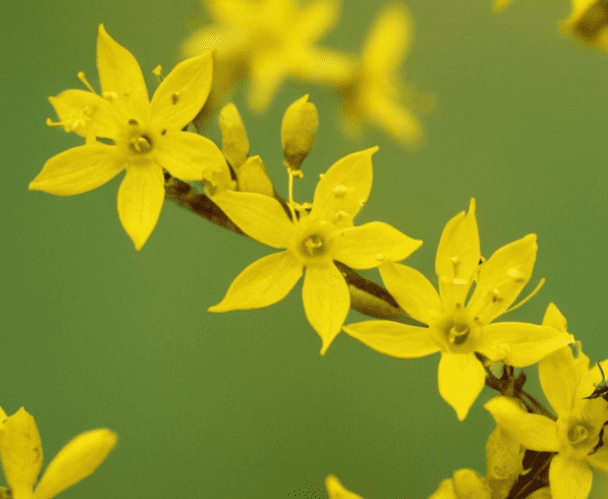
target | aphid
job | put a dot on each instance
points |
(601, 389)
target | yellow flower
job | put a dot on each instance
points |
(374, 92)
(313, 241)
(457, 330)
(146, 137)
(336, 490)
(589, 22)
(577, 435)
(21, 452)
(465, 484)
(269, 40)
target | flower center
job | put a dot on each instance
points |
(456, 330)
(138, 141)
(580, 435)
(314, 240)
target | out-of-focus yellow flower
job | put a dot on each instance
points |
(500, 4)
(577, 434)
(589, 22)
(146, 136)
(457, 330)
(465, 484)
(268, 41)
(312, 240)
(374, 92)
(336, 490)
(21, 452)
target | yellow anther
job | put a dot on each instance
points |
(516, 274)
(340, 190)
(380, 257)
(174, 98)
(83, 78)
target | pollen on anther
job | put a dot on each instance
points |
(174, 98)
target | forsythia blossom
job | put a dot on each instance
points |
(146, 137)
(456, 329)
(21, 452)
(269, 40)
(577, 435)
(312, 241)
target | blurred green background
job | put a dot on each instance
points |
(241, 404)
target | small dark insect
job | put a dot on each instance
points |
(601, 389)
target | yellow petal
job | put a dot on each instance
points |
(181, 95)
(190, 156)
(21, 452)
(77, 170)
(554, 318)
(345, 187)
(531, 430)
(396, 119)
(259, 216)
(121, 77)
(412, 290)
(461, 378)
(85, 113)
(559, 379)
(336, 490)
(326, 301)
(502, 277)
(140, 199)
(252, 177)
(371, 244)
(267, 74)
(458, 256)
(76, 461)
(569, 478)
(388, 41)
(394, 339)
(523, 344)
(265, 282)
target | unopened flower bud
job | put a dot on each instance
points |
(298, 131)
(252, 177)
(235, 144)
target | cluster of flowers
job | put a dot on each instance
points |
(532, 453)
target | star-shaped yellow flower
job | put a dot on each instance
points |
(457, 330)
(313, 241)
(374, 92)
(464, 484)
(146, 137)
(269, 40)
(21, 452)
(577, 435)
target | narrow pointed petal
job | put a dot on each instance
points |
(140, 199)
(120, 75)
(326, 301)
(559, 379)
(76, 461)
(85, 113)
(412, 290)
(461, 378)
(394, 339)
(520, 344)
(371, 244)
(388, 40)
(533, 431)
(265, 282)
(259, 216)
(569, 478)
(181, 95)
(458, 256)
(77, 170)
(345, 187)
(395, 119)
(190, 156)
(21, 452)
(502, 277)
(267, 75)
(317, 18)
